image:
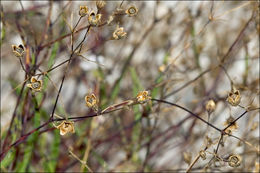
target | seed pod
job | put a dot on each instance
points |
(231, 127)
(119, 33)
(234, 97)
(94, 19)
(92, 102)
(35, 85)
(210, 106)
(100, 4)
(18, 50)
(131, 11)
(66, 127)
(83, 11)
(234, 160)
(143, 97)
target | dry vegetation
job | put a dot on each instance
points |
(129, 86)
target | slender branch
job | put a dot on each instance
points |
(196, 116)
(64, 76)
(235, 120)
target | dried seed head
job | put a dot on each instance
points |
(66, 127)
(18, 50)
(234, 160)
(234, 97)
(143, 97)
(100, 4)
(35, 85)
(131, 11)
(92, 102)
(232, 127)
(210, 106)
(94, 19)
(83, 11)
(119, 33)
(202, 154)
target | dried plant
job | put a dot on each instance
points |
(155, 86)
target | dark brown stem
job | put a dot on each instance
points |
(193, 114)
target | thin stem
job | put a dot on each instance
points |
(220, 139)
(235, 120)
(22, 65)
(63, 78)
(82, 162)
(173, 104)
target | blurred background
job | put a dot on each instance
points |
(183, 52)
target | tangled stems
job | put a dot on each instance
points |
(79, 118)
(25, 136)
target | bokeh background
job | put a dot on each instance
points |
(168, 44)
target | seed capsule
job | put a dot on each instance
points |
(131, 11)
(234, 97)
(18, 50)
(234, 160)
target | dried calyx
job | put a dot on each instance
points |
(83, 11)
(234, 97)
(18, 50)
(131, 11)
(143, 97)
(100, 4)
(119, 33)
(94, 19)
(35, 85)
(66, 127)
(234, 160)
(232, 125)
(92, 102)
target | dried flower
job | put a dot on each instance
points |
(210, 106)
(119, 33)
(232, 127)
(93, 18)
(83, 11)
(234, 160)
(18, 50)
(35, 85)
(202, 154)
(92, 102)
(143, 97)
(66, 127)
(234, 97)
(131, 11)
(100, 4)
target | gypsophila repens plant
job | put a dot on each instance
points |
(130, 86)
